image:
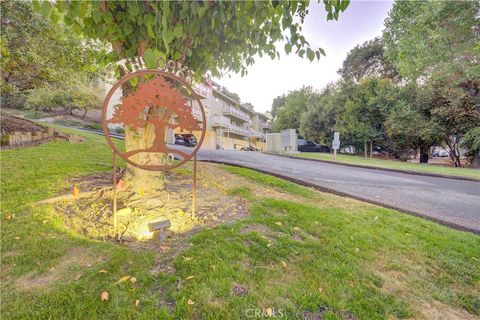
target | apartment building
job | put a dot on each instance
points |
(230, 125)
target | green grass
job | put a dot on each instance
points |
(392, 164)
(341, 255)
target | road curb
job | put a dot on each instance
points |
(342, 194)
(436, 175)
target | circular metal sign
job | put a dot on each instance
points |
(155, 102)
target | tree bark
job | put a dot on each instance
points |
(424, 150)
(365, 146)
(143, 180)
(476, 160)
(371, 148)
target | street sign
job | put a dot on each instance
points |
(335, 144)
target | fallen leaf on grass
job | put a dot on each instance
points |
(44, 221)
(190, 302)
(278, 223)
(75, 192)
(133, 279)
(122, 279)
(104, 296)
(296, 228)
(269, 312)
(121, 185)
(17, 238)
(103, 271)
(284, 264)
(137, 302)
(164, 248)
(189, 277)
(187, 258)
(77, 277)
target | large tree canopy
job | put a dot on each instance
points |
(367, 60)
(438, 39)
(206, 36)
(37, 52)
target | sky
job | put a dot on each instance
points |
(267, 79)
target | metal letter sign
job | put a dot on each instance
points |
(153, 101)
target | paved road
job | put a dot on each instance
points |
(451, 201)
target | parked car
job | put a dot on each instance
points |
(190, 140)
(440, 153)
(309, 146)
(179, 140)
(249, 148)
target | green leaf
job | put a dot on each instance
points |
(150, 58)
(178, 31)
(288, 48)
(201, 11)
(134, 81)
(167, 37)
(310, 54)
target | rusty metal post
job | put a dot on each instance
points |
(194, 185)
(114, 196)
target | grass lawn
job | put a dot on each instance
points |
(392, 164)
(300, 254)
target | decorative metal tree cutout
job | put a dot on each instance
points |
(152, 102)
(157, 103)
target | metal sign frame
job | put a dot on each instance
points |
(117, 152)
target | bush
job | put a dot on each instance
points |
(82, 97)
(14, 100)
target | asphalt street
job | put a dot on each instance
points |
(451, 201)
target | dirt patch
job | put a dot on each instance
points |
(395, 283)
(10, 124)
(74, 257)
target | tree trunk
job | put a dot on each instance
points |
(365, 146)
(371, 148)
(424, 154)
(84, 114)
(454, 152)
(143, 180)
(476, 160)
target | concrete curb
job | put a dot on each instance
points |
(436, 175)
(342, 194)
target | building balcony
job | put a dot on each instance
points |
(221, 122)
(238, 130)
(196, 113)
(266, 126)
(256, 134)
(201, 90)
(228, 110)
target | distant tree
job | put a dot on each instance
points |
(409, 125)
(434, 39)
(288, 116)
(368, 60)
(248, 105)
(365, 112)
(471, 141)
(231, 95)
(38, 52)
(318, 122)
(277, 104)
(436, 44)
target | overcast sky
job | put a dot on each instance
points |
(266, 79)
